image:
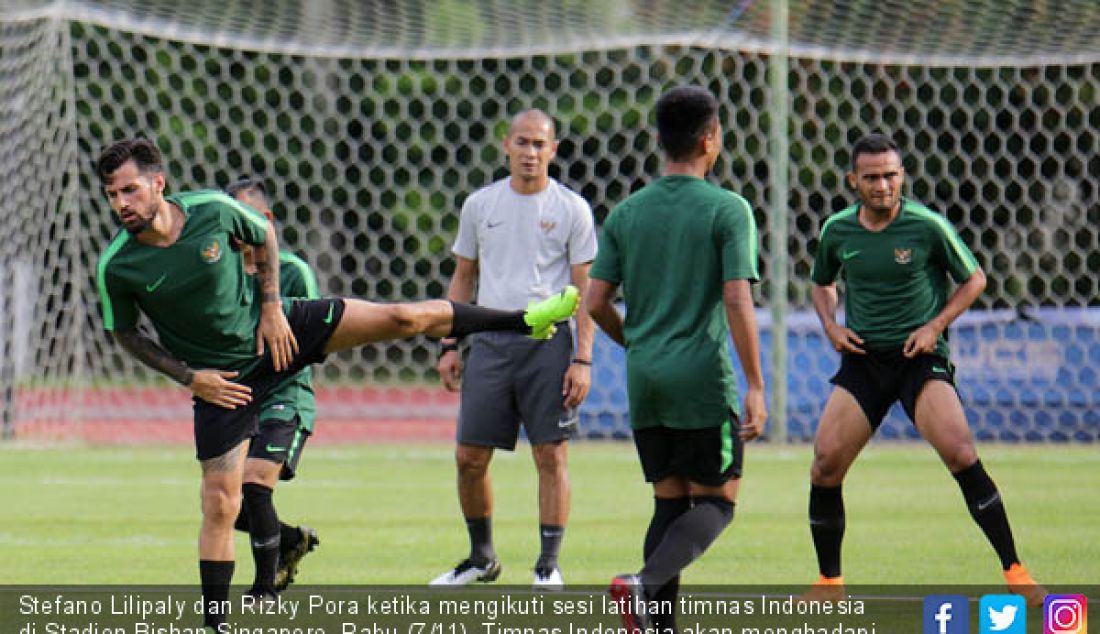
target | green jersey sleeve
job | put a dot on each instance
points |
(608, 265)
(952, 251)
(296, 279)
(826, 263)
(243, 222)
(120, 310)
(737, 241)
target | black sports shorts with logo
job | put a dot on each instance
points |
(217, 430)
(885, 375)
(280, 441)
(710, 456)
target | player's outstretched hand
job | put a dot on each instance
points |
(275, 332)
(756, 414)
(575, 386)
(450, 370)
(845, 339)
(214, 386)
(921, 341)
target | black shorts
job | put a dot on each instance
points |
(280, 441)
(710, 456)
(880, 377)
(217, 430)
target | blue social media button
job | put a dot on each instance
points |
(1002, 614)
(946, 614)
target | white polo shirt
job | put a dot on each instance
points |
(524, 244)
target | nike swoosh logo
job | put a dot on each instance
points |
(273, 448)
(568, 419)
(270, 543)
(493, 225)
(328, 317)
(848, 255)
(155, 285)
(984, 504)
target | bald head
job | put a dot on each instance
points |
(533, 118)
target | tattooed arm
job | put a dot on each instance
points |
(265, 258)
(151, 354)
(274, 331)
(212, 386)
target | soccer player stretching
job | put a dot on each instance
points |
(895, 256)
(175, 261)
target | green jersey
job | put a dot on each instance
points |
(294, 397)
(195, 291)
(895, 280)
(672, 245)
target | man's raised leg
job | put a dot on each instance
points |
(366, 322)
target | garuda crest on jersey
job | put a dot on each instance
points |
(212, 252)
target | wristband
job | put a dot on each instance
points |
(448, 347)
(582, 361)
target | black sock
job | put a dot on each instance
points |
(665, 511)
(481, 539)
(685, 539)
(216, 577)
(288, 537)
(827, 527)
(264, 533)
(242, 520)
(984, 502)
(550, 536)
(469, 319)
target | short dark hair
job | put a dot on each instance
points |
(684, 115)
(251, 184)
(874, 144)
(142, 152)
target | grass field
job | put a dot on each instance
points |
(388, 515)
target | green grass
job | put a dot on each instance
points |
(388, 515)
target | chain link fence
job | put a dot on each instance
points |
(371, 127)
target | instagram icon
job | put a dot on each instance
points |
(1065, 614)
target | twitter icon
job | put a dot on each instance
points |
(1002, 614)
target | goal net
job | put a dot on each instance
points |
(372, 121)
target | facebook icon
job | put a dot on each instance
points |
(946, 614)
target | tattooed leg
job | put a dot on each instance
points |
(221, 502)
